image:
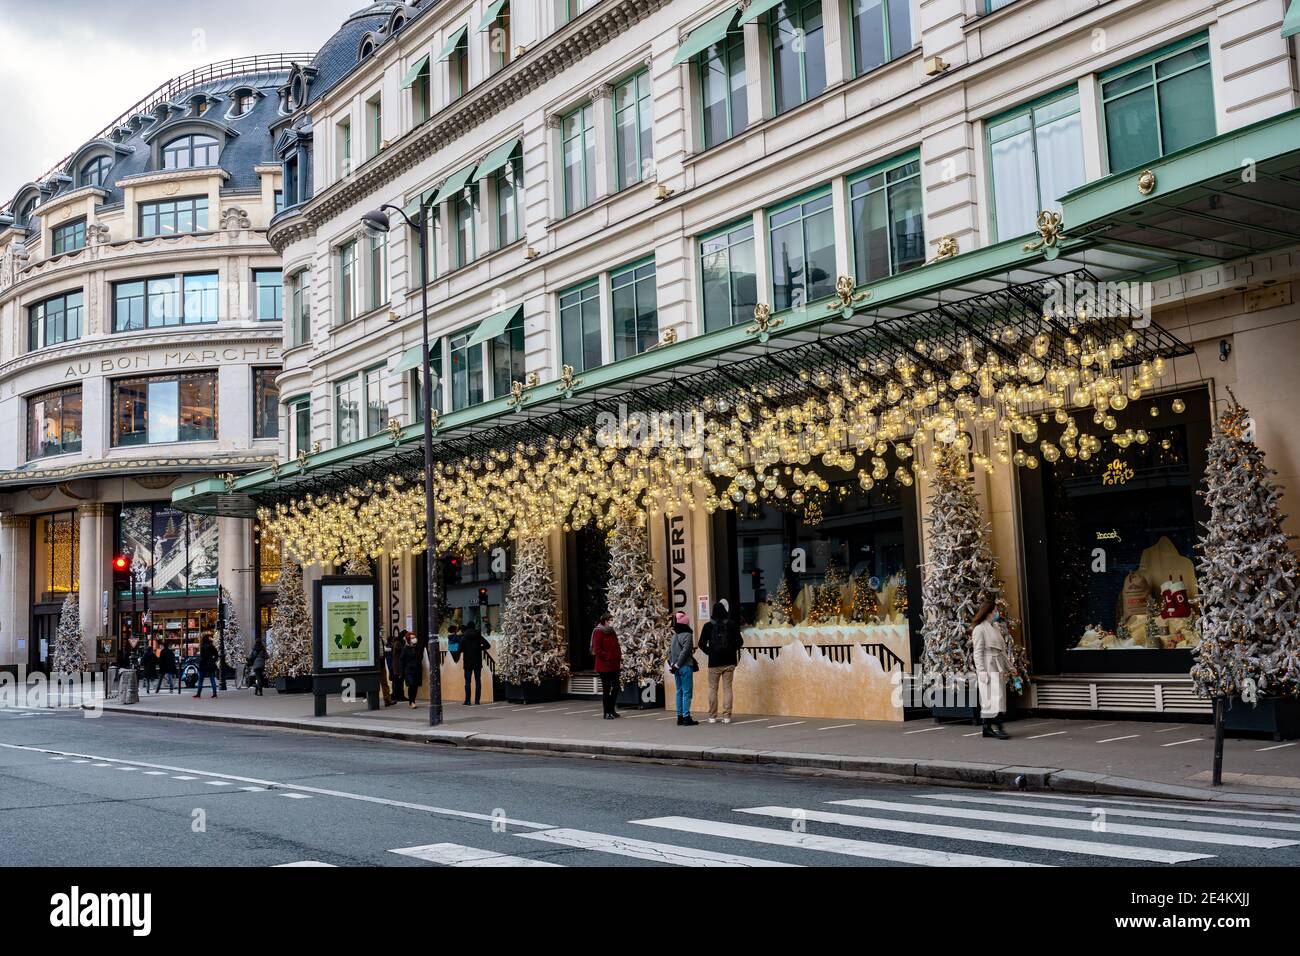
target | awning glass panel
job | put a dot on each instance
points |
(453, 41)
(757, 9)
(1291, 25)
(413, 207)
(455, 182)
(410, 359)
(491, 14)
(705, 35)
(409, 79)
(495, 160)
(494, 324)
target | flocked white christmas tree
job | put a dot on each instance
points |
(532, 647)
(958, 575)
(291, 644)
(639, 608)
(231, 647)
(1249, 578)
(68, 656)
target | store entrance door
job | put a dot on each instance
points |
(45, 624)
(586, 556)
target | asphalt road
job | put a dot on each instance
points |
(211, 795)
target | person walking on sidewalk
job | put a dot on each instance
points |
(207, 666)
(609, 661)
(396, 644)
(166, 668)
(473, 646)
(149, 666)
(681, 661)
(384, 689)
(720, 639)
(257, 665)
(991, 668)
(412, 662)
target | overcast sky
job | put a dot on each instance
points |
(71, 66)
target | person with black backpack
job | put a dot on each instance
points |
(473, 646)
(720, 639)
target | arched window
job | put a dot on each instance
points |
(25, 214)
(189, 151)
(244, 102)
(95, 172)
(367, 47)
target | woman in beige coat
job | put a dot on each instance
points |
(991, 668)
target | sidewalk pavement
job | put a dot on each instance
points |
(1085, 755)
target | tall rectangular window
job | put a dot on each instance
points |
(266, 403)
(499, 40)
(633, 130)
(55, 320)
(724, 107)
(418, 266)
(508, 181)
(376, 407)
(374, 125)
(343, 140)
(802, 240)
(506, 352)
(417, 388)
(580, 326)
(636, 317)
(349, 281)
(173, 217)
(578, 146)
(458, 66)
(377, 270)
(166, 301)
(164, 408)
(466, 371)
(300, 306)
(270, 295)
(462, 208)
(1036, 155)
(54, 423)
(68, 237)
(299, 426)
(422, 94)
(882, 31)
(728, 277)
(798, 54)
(1158, 104)
(347, 410)
(887, 221)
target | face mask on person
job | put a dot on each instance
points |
(997, 615)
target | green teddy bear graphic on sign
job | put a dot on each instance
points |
(349, 639)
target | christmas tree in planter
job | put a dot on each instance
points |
(67, 656)
(827, 597)
(866, 600)
(781, 609)
(532, 656)
(639, 609)
(290, 663)
(230, 642)
(1249, 577)
(957, 577)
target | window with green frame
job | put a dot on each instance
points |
(633, 134)
(68, 237)
(299, 409)
(801, 239)
(728, 276)
(377, 269)
(462, 208)
(508, 183)
(417, 384)
(887, 219)
(578, 149)
(724, 108)
(882, 31)
(466, 370)
(635, 310)
(580, 326)
(1158, 104)
(991, 5)
(431, 246)
(506, 356)
(349, 281)
(1035, 157)
(798, 53)
(569, 9)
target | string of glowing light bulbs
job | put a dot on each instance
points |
(761, 442)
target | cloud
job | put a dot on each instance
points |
(68, 75)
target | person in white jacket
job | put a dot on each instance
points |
(991, 668)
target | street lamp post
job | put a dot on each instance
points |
(377, 223)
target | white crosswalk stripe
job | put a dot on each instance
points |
(1139, 812)
(1056, 823)
(1139, 804)
(644, 849)
(454, 854)
(997, 837)
(825, 844)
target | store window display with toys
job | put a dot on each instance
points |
(1115, 534)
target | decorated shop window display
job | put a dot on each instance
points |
(1157, 608)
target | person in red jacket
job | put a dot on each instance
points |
(609, 661)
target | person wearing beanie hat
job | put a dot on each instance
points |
(681, 662)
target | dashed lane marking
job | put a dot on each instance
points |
(1054, 733)
(923, 730)
(793, 723)
(1179, 743)
(1111, 740)
(454, 854)
(1275, 747)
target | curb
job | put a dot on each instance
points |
(900, 768)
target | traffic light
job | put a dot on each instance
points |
(121, 572)
(482, 597)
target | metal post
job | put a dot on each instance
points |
(221, 635)
(430, 514)
(1217, 778)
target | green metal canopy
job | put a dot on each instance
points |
(454, 184)
(757, 9)
(495, 160)
(490, 14)
(413, 207)
(409, 79)
(495, 324)
(453, 41)
(410, 359)
(705, 35)
(1291, 23)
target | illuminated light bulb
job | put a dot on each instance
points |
(1155, 411)
(1179, 406)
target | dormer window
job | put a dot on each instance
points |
(399, 21)
(187, 152)
(245, 100)
(25, 213)
(367, 47)
(198, 106)
(95, 172)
